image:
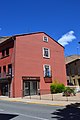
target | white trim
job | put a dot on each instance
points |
(48, 52)
(44, 39)
(47, 65)
(44, 68)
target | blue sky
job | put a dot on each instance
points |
(58, 18)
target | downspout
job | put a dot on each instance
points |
(13, 66)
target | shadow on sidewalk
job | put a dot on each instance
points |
(7, 116)
(70, 112)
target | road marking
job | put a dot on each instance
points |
(1, 110)
(29, 116)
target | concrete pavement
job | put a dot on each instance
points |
(37, 101)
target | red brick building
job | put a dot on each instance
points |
(30, 62)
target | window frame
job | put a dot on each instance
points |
(44, 56)
(46, 39)
(7, 51)
(49, 70)
(10, 69)
(3, 53)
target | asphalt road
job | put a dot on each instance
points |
(23, 111)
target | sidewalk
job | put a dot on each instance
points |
(35, 101)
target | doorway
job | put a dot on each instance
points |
(30, 87)
(4, 89)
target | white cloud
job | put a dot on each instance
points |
(66, 38)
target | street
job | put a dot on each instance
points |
(24, 111)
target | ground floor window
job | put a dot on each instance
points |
(30, 87)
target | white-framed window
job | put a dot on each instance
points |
(45, 38)
(47, 70)
(46, 52)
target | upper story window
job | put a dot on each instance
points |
(45, 38)
(5, 52)
(46, 52)
(47, 70)
(10, 69)
(4, 69)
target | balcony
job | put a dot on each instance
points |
(5, 75)
(4, 56)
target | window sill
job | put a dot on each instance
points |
(48, 79)
(46, 57)
(47, 76)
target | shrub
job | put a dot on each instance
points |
(68, 91)
(57, 87)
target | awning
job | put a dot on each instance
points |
(30, 78)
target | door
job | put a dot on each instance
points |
(5, 89)
(31, 87)
(26, 88)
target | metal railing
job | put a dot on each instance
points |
(46, 95)
(5, 75)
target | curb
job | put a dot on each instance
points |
(28, 102)
(46, 104)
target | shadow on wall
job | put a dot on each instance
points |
(70, 112)
(7, 116)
